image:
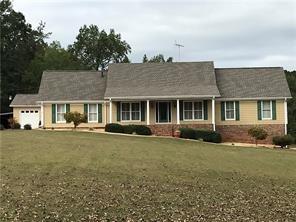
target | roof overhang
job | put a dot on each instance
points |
(25, 105)
(70, 101)
(252, 98)
(162, 97)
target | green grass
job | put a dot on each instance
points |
(76, 176)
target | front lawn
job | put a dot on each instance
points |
(79, 176)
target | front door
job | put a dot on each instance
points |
(163, 112)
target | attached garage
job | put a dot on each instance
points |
(29, 116)
(26, 111)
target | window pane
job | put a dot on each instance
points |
(198, 114)
(135, 107)
(266, 105)
(125, 106)
(188, 114)
(92, 108)
(229, 114)
(187, 105)
(92, 117)
(60, 117)
(135, 115)
(198, 106)
(266, 114)
(229, 105)
(125, 115)
(60, 108)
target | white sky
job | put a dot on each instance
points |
(235, 33)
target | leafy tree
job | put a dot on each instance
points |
(291, 78)
(19, 43)
(75, 117)
(51, 57)
(157, 59)
(96, 49)
(258, 133)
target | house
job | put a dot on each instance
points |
(163, 96)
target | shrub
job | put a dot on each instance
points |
(258, 133)
(142, 130)
(15, 126)
(114, 128)
(1, 127)
(27, 127)
(205, 135)
(75, 117)
(188, 133)
(13, 123)
(129, 129)
(283, 141)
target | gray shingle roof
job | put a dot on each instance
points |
(72, 85)
(252, 82)
(24, 100)
(161, 79)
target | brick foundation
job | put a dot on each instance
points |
(169, 129)
(239, 133)
(229, 133)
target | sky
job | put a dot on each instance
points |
(232, 33)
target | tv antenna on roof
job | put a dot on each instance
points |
(179, 47)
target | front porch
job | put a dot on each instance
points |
(164, 116)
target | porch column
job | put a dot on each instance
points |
(178, 111)
(213, 114)
(42, 115)
(286, 115)
(110, 110)
(148, 112)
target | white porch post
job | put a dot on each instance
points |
(178, 111)
(286, 115)
(42, 115)
(110, 110)
(148, 112)
(213, 114)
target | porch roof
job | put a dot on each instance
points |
(161, 80)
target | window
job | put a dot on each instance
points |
(92, 112)
(193, 110)
(230, 110)
(266, 109)
(61, 110)
(130, 111)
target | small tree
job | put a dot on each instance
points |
(76, 118)
(258, 133)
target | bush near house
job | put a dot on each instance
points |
(27, 127)
(13, 123)
(205, 135)
(114, 128)
(75, 117)
(2, 127)
(283, 141)
(258, 133)
(128, 129)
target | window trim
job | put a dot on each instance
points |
(270, 103)
(192, 110)
(63, 121)
(130, 112)
(92, 121)
(234, 111)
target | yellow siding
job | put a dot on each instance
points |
(73, 107)
(152, 115)
(248, 114)
(17, 110)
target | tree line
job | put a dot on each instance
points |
(25, 54)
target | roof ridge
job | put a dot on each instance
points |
(157, 63)
(71, 70)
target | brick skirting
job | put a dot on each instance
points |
(169, 129)
(229, 133)
(239, 133)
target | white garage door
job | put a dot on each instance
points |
(29, 117)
